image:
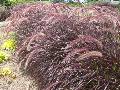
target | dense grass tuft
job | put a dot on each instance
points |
(69, 48)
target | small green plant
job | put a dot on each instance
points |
(5, 71)
(3, 56)
(9, 44)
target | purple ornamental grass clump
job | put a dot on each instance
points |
(32, 17)
(63, 51)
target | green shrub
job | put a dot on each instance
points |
(13, 2)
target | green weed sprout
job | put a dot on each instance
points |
(7, 47)
(3, 56)
(9, 44)
(5, 71)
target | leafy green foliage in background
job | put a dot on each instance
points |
(13, 2)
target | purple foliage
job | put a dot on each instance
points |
(63, 51)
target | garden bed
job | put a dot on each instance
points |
(62, 47)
